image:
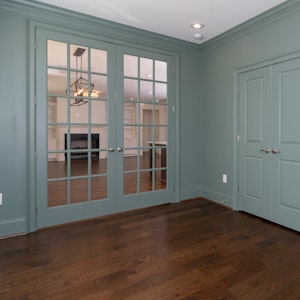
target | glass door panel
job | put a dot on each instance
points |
(72, 165)
(145, 124)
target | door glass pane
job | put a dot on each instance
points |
(57, 193)
(99, 86)
(130, 66)
(160, 180)
(130, 161)
(98, 61)
(61, 110)
(130, 183)
(146, 135)
(98, 112)
(146, 68)
(57, 54)
(130, 138)
(161, 135)
(57, 81)
(131, 113)
(146, 91)
(160, 70)
(79, 114)
(99, 188)
(161, 114)
(130, 89)
(145, 182)
(99, 166)
(79, 58)
(161, 93)
(79, 190)
(145, 162)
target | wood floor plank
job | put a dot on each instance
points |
(192, 250)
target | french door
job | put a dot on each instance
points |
(103, 115)
(269, 146)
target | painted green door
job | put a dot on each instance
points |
(286, 146)
(103, 114)
(269, 143)
(145, 128)
(254, 142)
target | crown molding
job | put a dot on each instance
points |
(273, 15)
(110, 31)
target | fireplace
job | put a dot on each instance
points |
(79, 141)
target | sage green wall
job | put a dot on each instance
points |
(17, 110)
(191, 129)
(267, 37)
(13, 120)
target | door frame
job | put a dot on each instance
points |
(236, 73)
(33, 25)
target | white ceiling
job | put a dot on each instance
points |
(173, 17)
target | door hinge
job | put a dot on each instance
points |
(237, 138)
(34, 44)
(35, 155)
(35, 100)
(173, 108)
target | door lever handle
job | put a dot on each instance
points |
(275, 151)
(267, 150)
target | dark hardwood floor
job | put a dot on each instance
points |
(192, 250)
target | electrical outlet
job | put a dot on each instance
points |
(224, 178)
(0, 198)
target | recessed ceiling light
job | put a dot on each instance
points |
(197, 25)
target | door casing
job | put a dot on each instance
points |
(32, 205)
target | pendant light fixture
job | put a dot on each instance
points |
(80, 88)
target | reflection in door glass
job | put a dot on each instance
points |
(160, 71)
(146, 91)
(57, 54)
(57, 81)
(99, 188)
(130, 89)
(98, 61)
(130, 66)
(57, 193)
(79, 190)
(146, 68)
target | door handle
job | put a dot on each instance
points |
(111, 149)
(275, 151)
(267, 150)
(120, 149)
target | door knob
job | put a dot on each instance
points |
(275, 151)
(267, 150)
(111, 149)
(120, 149)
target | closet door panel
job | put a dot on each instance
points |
(286, 149)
